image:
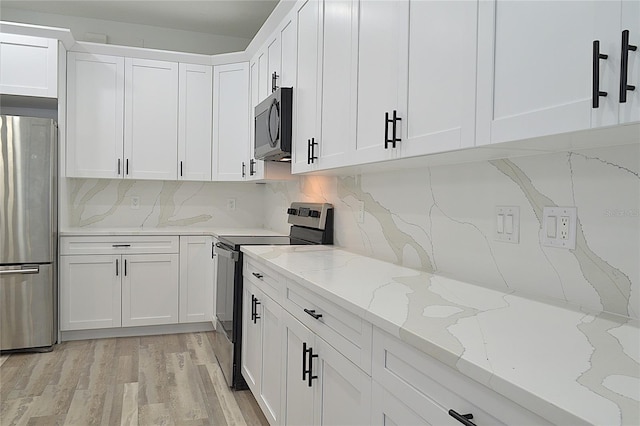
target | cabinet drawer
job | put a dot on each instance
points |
(346, 332)
(430, 388)
(265, 278)
(119, 245)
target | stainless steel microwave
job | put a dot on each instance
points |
(273, 118)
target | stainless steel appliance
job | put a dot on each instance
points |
(312, 223)
(28, 233)
(273, 118)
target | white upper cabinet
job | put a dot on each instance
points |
(307, 91)
(28, 66)
(95, 111)
(288, 52)
(630, 109)
(274, 49)
(194, 122)
(231, 121)
(151, 119)
(539, 70)
(382, 69)
(263, 82)
(339, 83)
(441, 78)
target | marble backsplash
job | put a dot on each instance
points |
(104, 203)
(441, 219)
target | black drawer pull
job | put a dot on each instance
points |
(121, 245)
(312, 312)
(595, 89)
(465, 419)
(257, 275)
(624, 66)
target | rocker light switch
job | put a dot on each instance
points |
(507, 224)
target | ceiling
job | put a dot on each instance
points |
(236, 18)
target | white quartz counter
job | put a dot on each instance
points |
(216, 232)
(564, 364)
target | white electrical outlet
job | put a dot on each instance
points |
(135, 202)
(507, 224)
(360, 212)
(231, 204)
(559, 227)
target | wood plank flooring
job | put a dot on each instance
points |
(156, 380)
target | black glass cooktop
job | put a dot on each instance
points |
(248, 240)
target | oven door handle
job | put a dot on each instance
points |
(226, 253)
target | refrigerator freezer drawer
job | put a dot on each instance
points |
(27, 300)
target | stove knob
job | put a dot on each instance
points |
(292, 211)
(314, 213)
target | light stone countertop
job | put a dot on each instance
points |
(560, 362)
(214, 231)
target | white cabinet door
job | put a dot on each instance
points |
(274, 63)
(382, 69)
(288, 41)
(630, 110)
(230, 121)
(441, 79)
(535, 63)
(343, 391)
(28, 66)
(150, 289)
(151, 119)
(90, 292)
(95, 111)
(339, 82)
(264, 88)
(196, 279)
(308, 87)
(194, 122)
(251, 339)
(270, 384)
(387, 410)
(299, 397)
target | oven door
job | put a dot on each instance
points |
(227, 260)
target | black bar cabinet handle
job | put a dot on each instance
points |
(386, 130)
(118, 167)
(213, 253)
(125, 267)
(395, 128)
(624, 66)
(126, 166)
(465, 419)
(257, 275)
(243, 170)
(308, 151)
(253, 308)
(180, 168)
(117, 272)
(596, 92)
(304, 361)
(256, 317)
(120, 245)
(252, 170)
(310, 376)
(312, 312)
(274, 78)
(313, 150)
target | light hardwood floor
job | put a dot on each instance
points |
(155, 380)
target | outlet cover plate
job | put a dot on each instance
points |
(502, 233)
(564, 235)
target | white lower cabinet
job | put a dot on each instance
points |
(261, 350)
(196, 279)
(90, 292)
(118, 281)
(150, 290)
(322, 386)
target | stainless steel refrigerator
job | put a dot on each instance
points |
(28, 233)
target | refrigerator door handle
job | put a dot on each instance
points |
(29, 270)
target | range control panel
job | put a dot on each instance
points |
(311, 215)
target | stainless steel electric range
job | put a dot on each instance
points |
(312, 223)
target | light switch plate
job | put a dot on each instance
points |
(564, 220)
(504, 216)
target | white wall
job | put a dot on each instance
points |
(441, 219)
(135, 35)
